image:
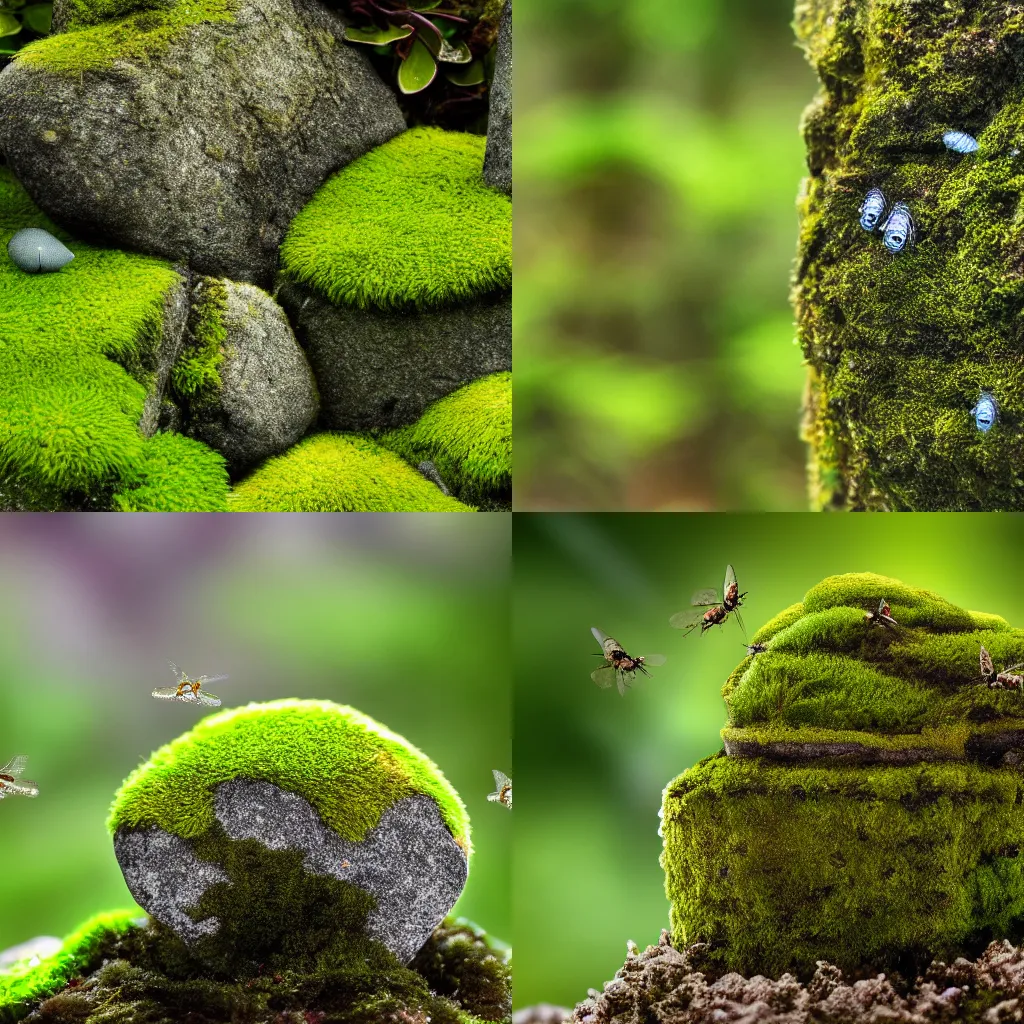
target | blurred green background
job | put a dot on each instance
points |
(591, 765)
(658, 160)
(404, 617)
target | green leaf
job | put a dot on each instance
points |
(9, 24)
(377, 36)
(443, 50)
(469, 74)
(418, 70)
(38, 17)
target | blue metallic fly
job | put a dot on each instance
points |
(985, 412)
(872, 209)
(898, 230)
(960, 142)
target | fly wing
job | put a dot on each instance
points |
(655, 659)
(604, 676)
(15, 766)
(500, 779)
(705, 597)
(624, 680)
(987, 668)
(210, 699)
(25, 788)
(177, 671)
(203, 680)
(687, 619)
(166, 692)
(730, 578)
(599, 636)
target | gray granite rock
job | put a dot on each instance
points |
(498, 160)
(167, 879)
(269, 398)
(202, 154)
(177, 306)
(382, 369)
(409, 863)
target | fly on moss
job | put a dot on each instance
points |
(960, 142)
(716, 609)
(985, 412)
(1004, 680)
(882, 616)
(189, 689)
(872, 209)
(898, 231)
(621, 667)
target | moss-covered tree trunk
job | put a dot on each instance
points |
(902, 345)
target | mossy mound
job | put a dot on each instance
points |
(349, 767)
(468, 437)
(409, 224)
(339, 473)
(80, 349)
(115, 970)
(901, 346)
(196, 374)
(97, 33)
(869, 811)
(831, 675)
(779, 867)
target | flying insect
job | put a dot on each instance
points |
(503, 789)
(10, 784)
(711, 610)
(189, 689)
(621, 668)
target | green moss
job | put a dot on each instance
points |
(79, 347)
(339, 473)
(900, 347)
(409, 224)
(147, 973)
(196, 374)
(96, 43)
(869, 869)
(175, 474)
(298, 745)
(468, 437)
(827, 667)
(81, 952)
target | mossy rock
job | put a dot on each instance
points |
(901, 346)
(869, 811)
(397, 278)
(86, 353)
(295, 826)
(120, 967)
(339, 473)
(467, 437)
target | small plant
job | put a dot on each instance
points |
(422, 36)
(20, 23)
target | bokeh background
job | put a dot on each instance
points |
(404, 617)
(591, 765)
(658, 160)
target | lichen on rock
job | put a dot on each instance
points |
(867, 808)
(901, 346)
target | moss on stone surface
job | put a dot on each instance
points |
(349, 767)
(175, 474)
(779, 867)
(147, 973)
(196, 374)
(78, 351)
(339, 473)
(829, 668)
(410, 224)
(113, 30)
(901, 346)
(468, 437)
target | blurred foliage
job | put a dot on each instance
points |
(591, 765)
(21, 21)
(405, 618)
(658, 159)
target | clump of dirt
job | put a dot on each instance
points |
(663, 985)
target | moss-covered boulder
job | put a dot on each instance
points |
(294, 826)
(869, 807)
(242, 381)
(339, 473)
(191, 131)
(397, 277)
(901, 346)
(120, 967)
(465, 440)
